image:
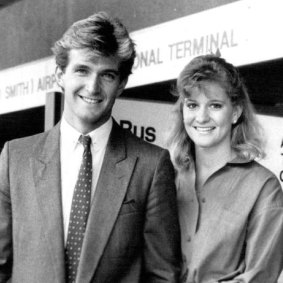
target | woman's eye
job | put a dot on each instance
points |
(216, 106)
(191, 105)
(81, 71)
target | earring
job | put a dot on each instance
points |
(234, 121)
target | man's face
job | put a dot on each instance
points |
(91, 86)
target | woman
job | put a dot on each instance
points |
(230, 207)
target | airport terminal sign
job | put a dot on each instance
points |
(25, 86)
(244, 32)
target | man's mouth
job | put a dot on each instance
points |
(90, 100)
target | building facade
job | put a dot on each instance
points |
(168, 34)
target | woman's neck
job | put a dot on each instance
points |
(209, 160)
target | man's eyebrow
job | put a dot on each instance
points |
(216, 100)
(79, 65)
(116, 72)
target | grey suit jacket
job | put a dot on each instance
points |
(132, 233)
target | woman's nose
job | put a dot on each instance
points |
(202, 115)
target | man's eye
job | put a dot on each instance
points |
(109, 77)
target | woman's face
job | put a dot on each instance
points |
(208, 116)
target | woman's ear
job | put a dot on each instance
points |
(59, 77)
(237, 112)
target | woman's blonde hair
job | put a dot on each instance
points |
(246, 137)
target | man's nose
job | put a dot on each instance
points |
(93, 84)
(202, 115)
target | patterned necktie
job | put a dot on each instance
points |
(79, 212)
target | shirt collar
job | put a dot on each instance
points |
(99, 137)
(190, 174)
(239, 160)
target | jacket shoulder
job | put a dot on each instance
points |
(27, 142)
(32, 143)
(137, 144)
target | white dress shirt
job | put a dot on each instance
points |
(71, 152)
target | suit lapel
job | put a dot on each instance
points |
(110, 192)
(47, 180)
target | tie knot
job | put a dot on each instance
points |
(85, 141)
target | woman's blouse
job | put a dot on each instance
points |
(232, 226)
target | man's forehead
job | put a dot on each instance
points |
(89, 56)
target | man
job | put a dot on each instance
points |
(87, 201)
